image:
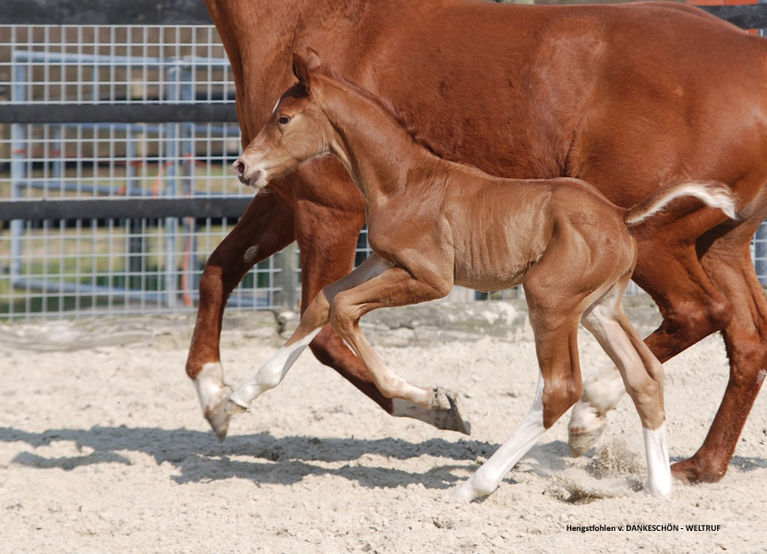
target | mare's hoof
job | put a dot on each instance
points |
(585, 428)
(447, 412)
(692, 472)
(220, 414)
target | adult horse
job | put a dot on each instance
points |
(626, 97)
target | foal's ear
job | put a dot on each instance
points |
(302, 66)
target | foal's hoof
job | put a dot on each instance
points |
(220, 414)
(585, 428)
(447, 412)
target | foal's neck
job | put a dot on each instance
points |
(379, 153)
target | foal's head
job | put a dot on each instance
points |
(296, 131)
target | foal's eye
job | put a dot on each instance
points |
(283, 120)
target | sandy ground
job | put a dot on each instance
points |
(103, 448)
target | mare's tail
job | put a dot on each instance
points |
(712, 193)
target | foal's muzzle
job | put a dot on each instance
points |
(250, 179)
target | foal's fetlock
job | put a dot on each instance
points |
(585, 428)
(221, 413)
(447, 411)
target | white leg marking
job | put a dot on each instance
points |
(603, 389)
(658, 468)
(487, 478)
(210, 386)
(272, 372)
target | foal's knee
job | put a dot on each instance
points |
(343, 316)
(558, 396)
(316, 313)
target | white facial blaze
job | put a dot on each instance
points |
(274, 108)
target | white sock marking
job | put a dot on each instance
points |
(210, 385)
(487, 478)
(658, 468)
(272, 372)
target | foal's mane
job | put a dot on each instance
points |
(382, 103)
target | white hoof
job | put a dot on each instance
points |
(585, 428)
(463, 493)
(659, 490)
(477, 486)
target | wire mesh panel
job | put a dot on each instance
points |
(80, 264)
(83, 263)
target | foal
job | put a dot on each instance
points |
(432, 224)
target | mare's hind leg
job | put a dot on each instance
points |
(729, 263)
(642, 375)
(692, 306)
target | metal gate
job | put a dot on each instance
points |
(82, 259)
(115, 146)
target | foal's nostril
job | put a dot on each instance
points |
(239, 167)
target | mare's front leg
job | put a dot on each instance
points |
(396, 287)
(265, 228)
(270, 374)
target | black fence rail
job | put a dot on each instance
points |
(69, 231)
(164, 12)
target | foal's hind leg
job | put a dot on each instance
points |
(692, 306)
(642, 375)
(559, 387)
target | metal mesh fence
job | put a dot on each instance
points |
(76, 266)
(83, 265)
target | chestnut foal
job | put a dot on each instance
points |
(433, 223)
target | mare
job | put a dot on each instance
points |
(433, 223)
(628, 97)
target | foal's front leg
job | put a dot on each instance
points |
(395, 287)
(274, 370)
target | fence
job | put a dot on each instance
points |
(114, 161)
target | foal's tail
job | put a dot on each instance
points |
(712, 193)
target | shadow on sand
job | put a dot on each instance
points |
(265, 459)
(260, 458)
